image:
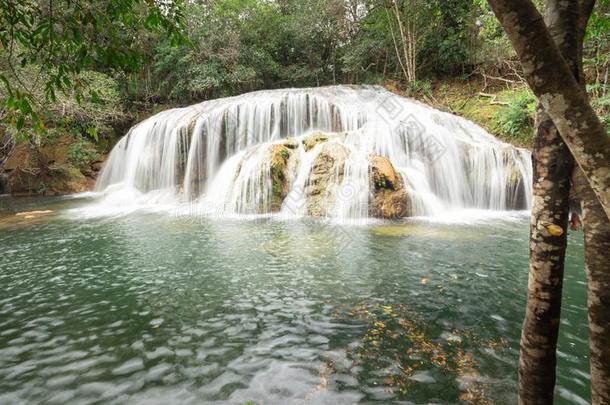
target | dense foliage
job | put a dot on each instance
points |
(86, 67)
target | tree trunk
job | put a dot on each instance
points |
(550, 78)
(567, 23)
(553, 165)
(597, 265)
(400, 62)
(567, 27)
(597, 262)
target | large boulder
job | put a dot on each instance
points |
(279, 155)
(326, 174)
(388, 194)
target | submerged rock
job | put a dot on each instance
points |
(388, 194)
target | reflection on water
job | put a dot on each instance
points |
(151, 308)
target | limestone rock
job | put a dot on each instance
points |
(388, 194)
(327, 171)
(312, 140)
(279, 155)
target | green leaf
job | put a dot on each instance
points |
(95, 97)
(20, 122)
(92, 133)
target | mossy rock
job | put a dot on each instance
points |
(48, 170)
(326, 173)
(69, 179)
(388, 198)
(279, 156)
(291, 143)
(314, 139)
(384, 175)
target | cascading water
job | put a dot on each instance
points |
(310, 151)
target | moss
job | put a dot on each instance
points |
(389, 196)
(291, 143)
(380, 182)
(280, 154)
(312, 140)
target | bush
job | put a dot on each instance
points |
(82, 153)
(517, 118)
(420, 87)
(600, 101)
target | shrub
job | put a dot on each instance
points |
(82, 153)
(517, 118)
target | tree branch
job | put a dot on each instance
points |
(550, 78)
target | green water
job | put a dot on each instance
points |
(152, 308)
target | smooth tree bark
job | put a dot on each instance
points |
(550, 78)
(552, 169)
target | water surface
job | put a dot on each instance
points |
(153, 308)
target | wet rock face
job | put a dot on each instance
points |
(516, 198)
(280, 154)
(388, 194)
(327, 171)
(3, 183)
(314, 139)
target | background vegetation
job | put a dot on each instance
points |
(90, 69)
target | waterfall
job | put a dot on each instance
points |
(284, 151)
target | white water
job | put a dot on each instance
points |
(215, 155)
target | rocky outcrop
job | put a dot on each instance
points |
(326, 173)
(516, 198)
(50, 169)
(314, 139)
(388, 194)
(280, 154)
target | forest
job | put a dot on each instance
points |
(453, 54)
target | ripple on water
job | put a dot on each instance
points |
(152, 309)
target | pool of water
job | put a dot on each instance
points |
(158, 308)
